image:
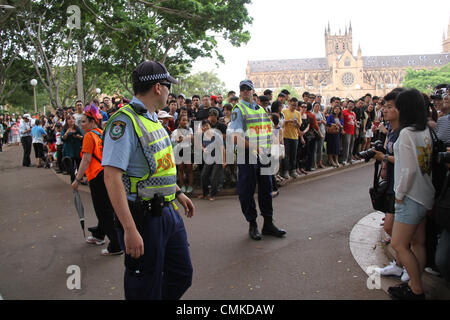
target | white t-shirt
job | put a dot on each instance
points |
(181, 132)
(412, 169)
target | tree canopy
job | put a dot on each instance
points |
(426, 80)
(114, 36)
(201, 83)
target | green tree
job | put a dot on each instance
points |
(201, 83)
(116, 35)
(426, 80)
(293, 92)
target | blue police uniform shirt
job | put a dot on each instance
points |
(125, 152)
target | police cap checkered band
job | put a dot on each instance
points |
(154, 77)
(151, 71)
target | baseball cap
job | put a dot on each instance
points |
(214, 98)
(151, 71)
(248, 83)
(26, 115)
(182, 96)
(163, 115)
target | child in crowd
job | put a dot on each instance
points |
(181, 140)
(212, 169)
(59, 147)
(38, 133)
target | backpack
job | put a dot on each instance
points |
(101, 141)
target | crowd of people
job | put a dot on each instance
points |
(311, 136)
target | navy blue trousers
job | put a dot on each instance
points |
(165, 270)
(248, 176)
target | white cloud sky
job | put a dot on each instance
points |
(294, 29)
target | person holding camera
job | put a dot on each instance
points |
(414, 191)
(390, 113)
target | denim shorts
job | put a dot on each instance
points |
(409, 212)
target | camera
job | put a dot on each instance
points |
(369, 154)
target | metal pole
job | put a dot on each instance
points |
(34, 94)
(80, 90)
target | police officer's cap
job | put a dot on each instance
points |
(151, 71)
(247, 83)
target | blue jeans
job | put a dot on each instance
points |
(443, 255)
(290, 158)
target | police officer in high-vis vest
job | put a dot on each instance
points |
(140, 175)
(255, 126)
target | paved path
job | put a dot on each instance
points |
(40, 237)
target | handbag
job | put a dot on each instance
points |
(332, 129)
(378, 191)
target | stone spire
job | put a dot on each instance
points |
(350, 28)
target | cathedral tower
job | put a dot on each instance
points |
(446, 41)
(336, 45)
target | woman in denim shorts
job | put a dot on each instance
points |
(414, 191)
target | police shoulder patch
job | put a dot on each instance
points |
(117, 130)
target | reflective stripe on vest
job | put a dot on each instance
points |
(157, 148)
(258, 125)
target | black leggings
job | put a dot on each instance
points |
(104, 212)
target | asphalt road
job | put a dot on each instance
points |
(40, 237)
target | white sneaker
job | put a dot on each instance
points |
(432, 272)
(96, 241)
(344, 163)
(405, 276)
(285, 175)
(293, 174)
(391, 270)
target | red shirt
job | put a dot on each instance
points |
(349, 121)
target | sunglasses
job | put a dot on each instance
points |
(166, 84)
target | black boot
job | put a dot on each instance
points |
(269, 229)
(253, 231)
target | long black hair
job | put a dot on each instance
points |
(412, 110)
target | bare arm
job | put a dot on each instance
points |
(84, 165)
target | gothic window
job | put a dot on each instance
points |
(343, 46)
(348, 78)
(347, 62)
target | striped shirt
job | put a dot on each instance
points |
(443, 128)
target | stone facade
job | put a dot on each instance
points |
(341, 73)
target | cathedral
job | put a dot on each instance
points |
(341, 73)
